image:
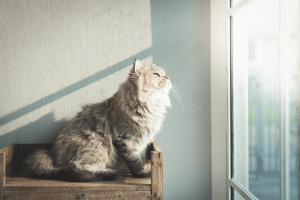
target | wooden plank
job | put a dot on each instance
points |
(157, 175)
(72, 188)
(8, 152)
(18, 187)
(131, 179)
(156, 147)
(31, 184)
(2, 174)
(16, 179)
(124, 183)
(78, 195)
(127, 183)
(20, 181)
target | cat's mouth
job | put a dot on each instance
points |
(165, 83)
(169, 83)
(166, 87)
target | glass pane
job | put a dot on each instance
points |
(237, 196)
(255, 89)
(233, 2)
(292, 6)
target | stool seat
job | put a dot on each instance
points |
(15, 186)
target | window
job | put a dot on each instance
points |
(254, 50)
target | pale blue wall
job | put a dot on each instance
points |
(56, 56)
(180, 33)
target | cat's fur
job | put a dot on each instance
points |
(121, 127)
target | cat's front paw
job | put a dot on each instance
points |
(146, 172)
(142, 174)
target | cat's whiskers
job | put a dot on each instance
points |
(176, 93)
(176, 86)
(176, 90)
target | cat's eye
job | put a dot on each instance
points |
(156, 74)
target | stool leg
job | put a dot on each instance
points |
(2, 175)
(157, 189)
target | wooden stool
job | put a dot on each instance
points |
(14, 186)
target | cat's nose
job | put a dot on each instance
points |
(167, 77)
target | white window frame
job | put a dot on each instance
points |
(221, 181)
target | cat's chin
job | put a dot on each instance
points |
(168, 102)
(161, 95)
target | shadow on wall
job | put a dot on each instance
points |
(36, 131)
(124, 31)
(73, 88)
(64, 39)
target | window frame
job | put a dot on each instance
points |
(219, 55)
(221, 182)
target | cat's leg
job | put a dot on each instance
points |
(135, 161)
(90, 164)
(137, 167)
(144, 173)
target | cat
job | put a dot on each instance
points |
(90, 146)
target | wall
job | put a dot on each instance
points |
(58, 55)
(180, 32)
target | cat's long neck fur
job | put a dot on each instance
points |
(149, 114)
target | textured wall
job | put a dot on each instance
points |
(180, 32)
(58, 55)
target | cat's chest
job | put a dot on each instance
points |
(140, 137)
(150, 116)
(139, 143)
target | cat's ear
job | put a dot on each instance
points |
(137, 66)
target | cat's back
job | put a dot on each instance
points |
(86, 131)
(89, 117)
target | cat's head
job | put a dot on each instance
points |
(151, 81)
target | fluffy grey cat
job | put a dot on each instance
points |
(120, 128)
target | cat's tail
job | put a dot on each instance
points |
(40, 164)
